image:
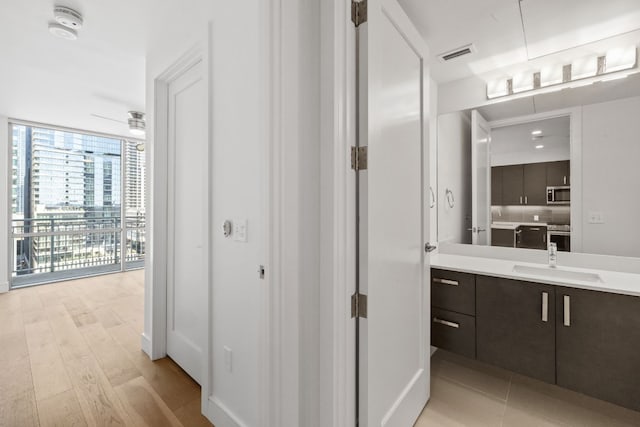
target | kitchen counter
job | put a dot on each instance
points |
(504, 225)
(614, 282)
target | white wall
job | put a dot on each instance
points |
(5, 205)
(611, 175)
(433, 160)
(238, 123)
(454, 172)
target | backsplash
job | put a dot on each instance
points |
(517, 213)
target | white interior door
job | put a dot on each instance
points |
(187, 268)
(394, 338)
(480, 180)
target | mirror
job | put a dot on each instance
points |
(575, 182)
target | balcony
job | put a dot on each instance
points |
(52, 249)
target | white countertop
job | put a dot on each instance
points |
(506, 225)
(614, 282)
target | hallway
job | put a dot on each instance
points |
(70, 353)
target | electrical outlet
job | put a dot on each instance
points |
(596, 217)
(240, 230)
(227, 358)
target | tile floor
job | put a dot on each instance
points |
(469, 393)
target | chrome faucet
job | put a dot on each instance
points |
(553, 255)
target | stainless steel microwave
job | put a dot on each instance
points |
(560, 195)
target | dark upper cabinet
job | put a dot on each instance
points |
(515, 326)
(558, 173)
(598, 345)
(519, 184)
(535, 184)
(512, 185)
(496, 185)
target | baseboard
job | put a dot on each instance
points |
(220, 416)
(4, 287)
(145, 343)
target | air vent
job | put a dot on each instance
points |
(457, 53)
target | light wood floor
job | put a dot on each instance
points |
(70, 356)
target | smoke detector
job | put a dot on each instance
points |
(62, 31)
(67, 17)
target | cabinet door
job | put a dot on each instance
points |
(503, 237)
(598, 345)
(496, 185)
(512, 185)
(558, 173)
(535, 184)
(515, 326)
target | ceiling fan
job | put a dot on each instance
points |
(135, 122)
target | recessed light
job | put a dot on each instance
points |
(536, 132)
(539, 146)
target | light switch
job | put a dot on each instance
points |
(536, 218)
(240, 230)
(596, 217)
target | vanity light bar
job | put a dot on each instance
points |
(615, 60)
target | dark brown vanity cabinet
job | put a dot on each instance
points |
(453, 309)
(586, 341)
(598, 344)
(515, 326)
(558, 173)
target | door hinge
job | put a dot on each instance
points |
(358, 305)
(358, 12)
(358, 158)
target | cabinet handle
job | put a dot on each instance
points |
(526, 200)
(446, 323)
(520, 199)
(445, 281)
(565, 180)
(545, 307)
(567, 310)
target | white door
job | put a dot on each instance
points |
(186, 269)
(480, 180)
(394, 338)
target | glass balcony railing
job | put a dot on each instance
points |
(50, 249)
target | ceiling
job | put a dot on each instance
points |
(518, 138)
(519, 35)
(51, 80)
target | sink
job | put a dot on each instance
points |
(557, 273)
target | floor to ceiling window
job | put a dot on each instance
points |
(77, 204)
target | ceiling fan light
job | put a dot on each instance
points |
(137, 125)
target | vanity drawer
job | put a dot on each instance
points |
(453, 332)
(451, 290)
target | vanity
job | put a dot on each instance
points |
(577, 328)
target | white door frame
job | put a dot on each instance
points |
(158, 153)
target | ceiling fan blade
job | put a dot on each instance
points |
(108, 118)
